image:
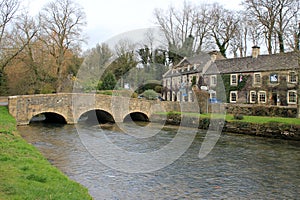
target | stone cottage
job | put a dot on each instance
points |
(256, 79)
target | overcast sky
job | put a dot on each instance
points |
(108, 18)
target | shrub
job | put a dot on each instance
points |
(150, 94)
(134, 95)
(238, 117)
(158, 88)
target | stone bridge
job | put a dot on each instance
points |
(70, 108)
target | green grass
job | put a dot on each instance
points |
(247, 119)
(264, 120)
(7, 122)
(25, 173)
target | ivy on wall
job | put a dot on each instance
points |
(242, 80)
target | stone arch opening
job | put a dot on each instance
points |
(136, 116)
(49, 117)
(96, 117)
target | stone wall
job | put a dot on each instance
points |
(272, 130)
(261, 110)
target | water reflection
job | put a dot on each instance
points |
(239, 167)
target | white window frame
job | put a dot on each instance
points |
(289, 77)
(236, 79)
(288, 96)
(259, 97)
(255, 80)
(236, 96)
(251, 99)
(190, 96)
(178, 96)
(212, 94)
(213, 80)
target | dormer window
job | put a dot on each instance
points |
(233, 79)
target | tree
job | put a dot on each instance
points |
(275, 16)
(109, 82)
(240, 38)
(8, 50)
(61, 21)
(224, 25)
(185, 30)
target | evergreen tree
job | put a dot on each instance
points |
(109, 82)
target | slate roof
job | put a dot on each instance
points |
(274, 62)
(199, 60)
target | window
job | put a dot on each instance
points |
(292, 97)
(257, 78)
(253, 97)
(213, 94)
(191, 96)
(292, 77)
(233, 96)
(233, 79)
(274, 78)
(213, 80)
(262, 97)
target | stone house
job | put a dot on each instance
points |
(179, 79)
(256, 79)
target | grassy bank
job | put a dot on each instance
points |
(25, 173)
(246, 119)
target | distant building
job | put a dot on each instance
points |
(256, 79)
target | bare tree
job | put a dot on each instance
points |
(10, 47)
(264, 11)
(240, 38)
(176, 25)
(8, 9)
(8, 51)
(202, 26)
(181, 27)
(224, 25)
(62, 22)
(275, 16)
(292, 33)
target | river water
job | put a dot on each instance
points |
(238, 167)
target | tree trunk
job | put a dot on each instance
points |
(281, 42)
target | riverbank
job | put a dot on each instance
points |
(25, 173)
(273, 127)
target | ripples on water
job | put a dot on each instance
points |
(239, 167)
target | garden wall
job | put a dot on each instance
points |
(261, 110)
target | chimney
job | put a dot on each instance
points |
(213, 55)
(255, 51)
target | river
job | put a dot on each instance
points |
(238, 167)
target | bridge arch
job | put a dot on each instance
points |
(96, 116)
(48, 117)
(136, 116)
